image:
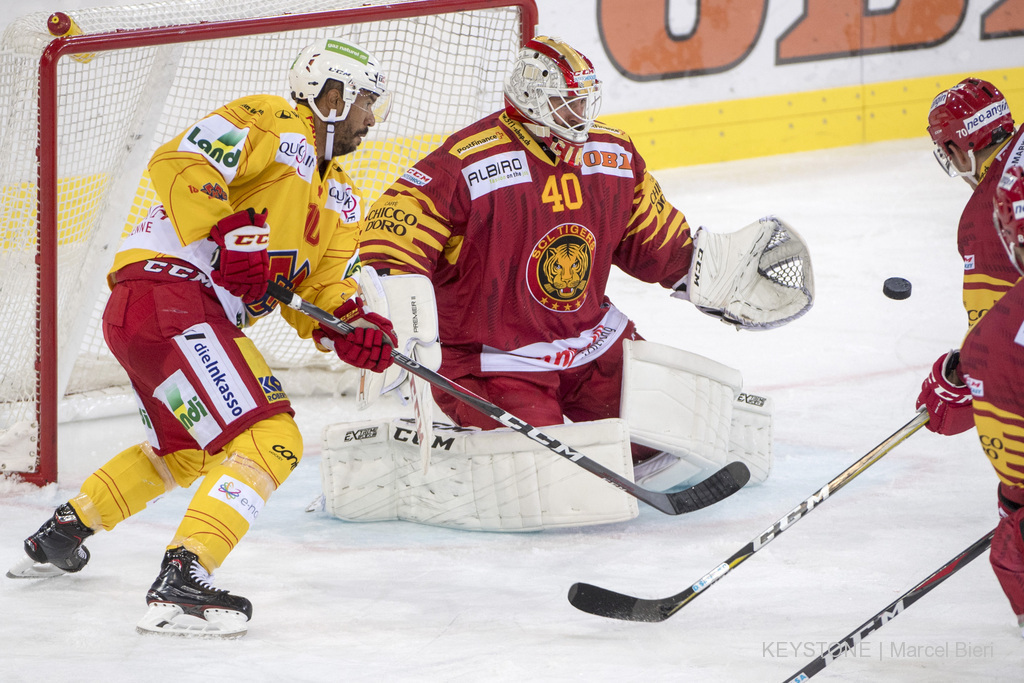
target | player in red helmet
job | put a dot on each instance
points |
(974, 138)
(992, 365)
(966, 122)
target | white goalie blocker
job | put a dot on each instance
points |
(496, 480)
(408, 302)
(694, 411)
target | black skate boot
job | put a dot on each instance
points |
(56, 548)
(183, 601)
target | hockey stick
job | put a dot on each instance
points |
(718, 486)
(837, 650)
(608, 603)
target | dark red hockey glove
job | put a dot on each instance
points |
(365, 347)
(950, 408)
(241, 264)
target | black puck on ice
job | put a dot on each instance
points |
(896, 288)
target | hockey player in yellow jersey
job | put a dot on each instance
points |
(252, 192)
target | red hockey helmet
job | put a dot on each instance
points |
(1008, 212)
(972, 115)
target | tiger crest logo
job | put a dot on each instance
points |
(559, 268)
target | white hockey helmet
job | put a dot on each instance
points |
(338, 60)
(553, 85)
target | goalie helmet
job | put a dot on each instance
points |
(554, 86)
(345, 62)
(972, 115)
(1008, 212)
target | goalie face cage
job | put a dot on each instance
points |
(137, 76)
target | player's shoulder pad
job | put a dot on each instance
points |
(488, 138)
(255, 107)
(600, 128)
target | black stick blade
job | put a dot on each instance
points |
(601, 601)
(606, 603)
(718, 486)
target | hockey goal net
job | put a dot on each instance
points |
(81, 115)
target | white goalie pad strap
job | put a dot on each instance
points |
(750, 435)
(497, 480)
(758, 277)
(408, 302)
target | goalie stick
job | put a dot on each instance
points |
(608, 603)
(838, 649)
(718, 486)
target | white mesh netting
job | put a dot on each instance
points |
(116, 107)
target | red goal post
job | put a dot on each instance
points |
(130, 89)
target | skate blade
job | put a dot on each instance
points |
(30, 569)
(166, 619)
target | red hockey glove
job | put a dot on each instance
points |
(950, 409)
(365, 347)
(241, 264)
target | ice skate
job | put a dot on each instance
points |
(56, 548)
(182, 601)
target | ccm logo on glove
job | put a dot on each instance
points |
(240, 262)
(248, 239)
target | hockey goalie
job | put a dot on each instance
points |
(491, 257)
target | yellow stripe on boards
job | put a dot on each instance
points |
(797, 122)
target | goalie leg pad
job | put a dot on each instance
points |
(494, 480)
(681, 403)
(692, 409)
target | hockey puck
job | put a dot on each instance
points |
(896, 288)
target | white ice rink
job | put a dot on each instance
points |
(396, 601)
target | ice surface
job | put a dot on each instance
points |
(396, 601)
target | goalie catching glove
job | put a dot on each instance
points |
(240, 262)
(366, 346)
(757, 278)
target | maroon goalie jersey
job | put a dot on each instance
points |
(519, 247)
(988, 272)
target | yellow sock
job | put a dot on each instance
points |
(233, 493)
(121, 488)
